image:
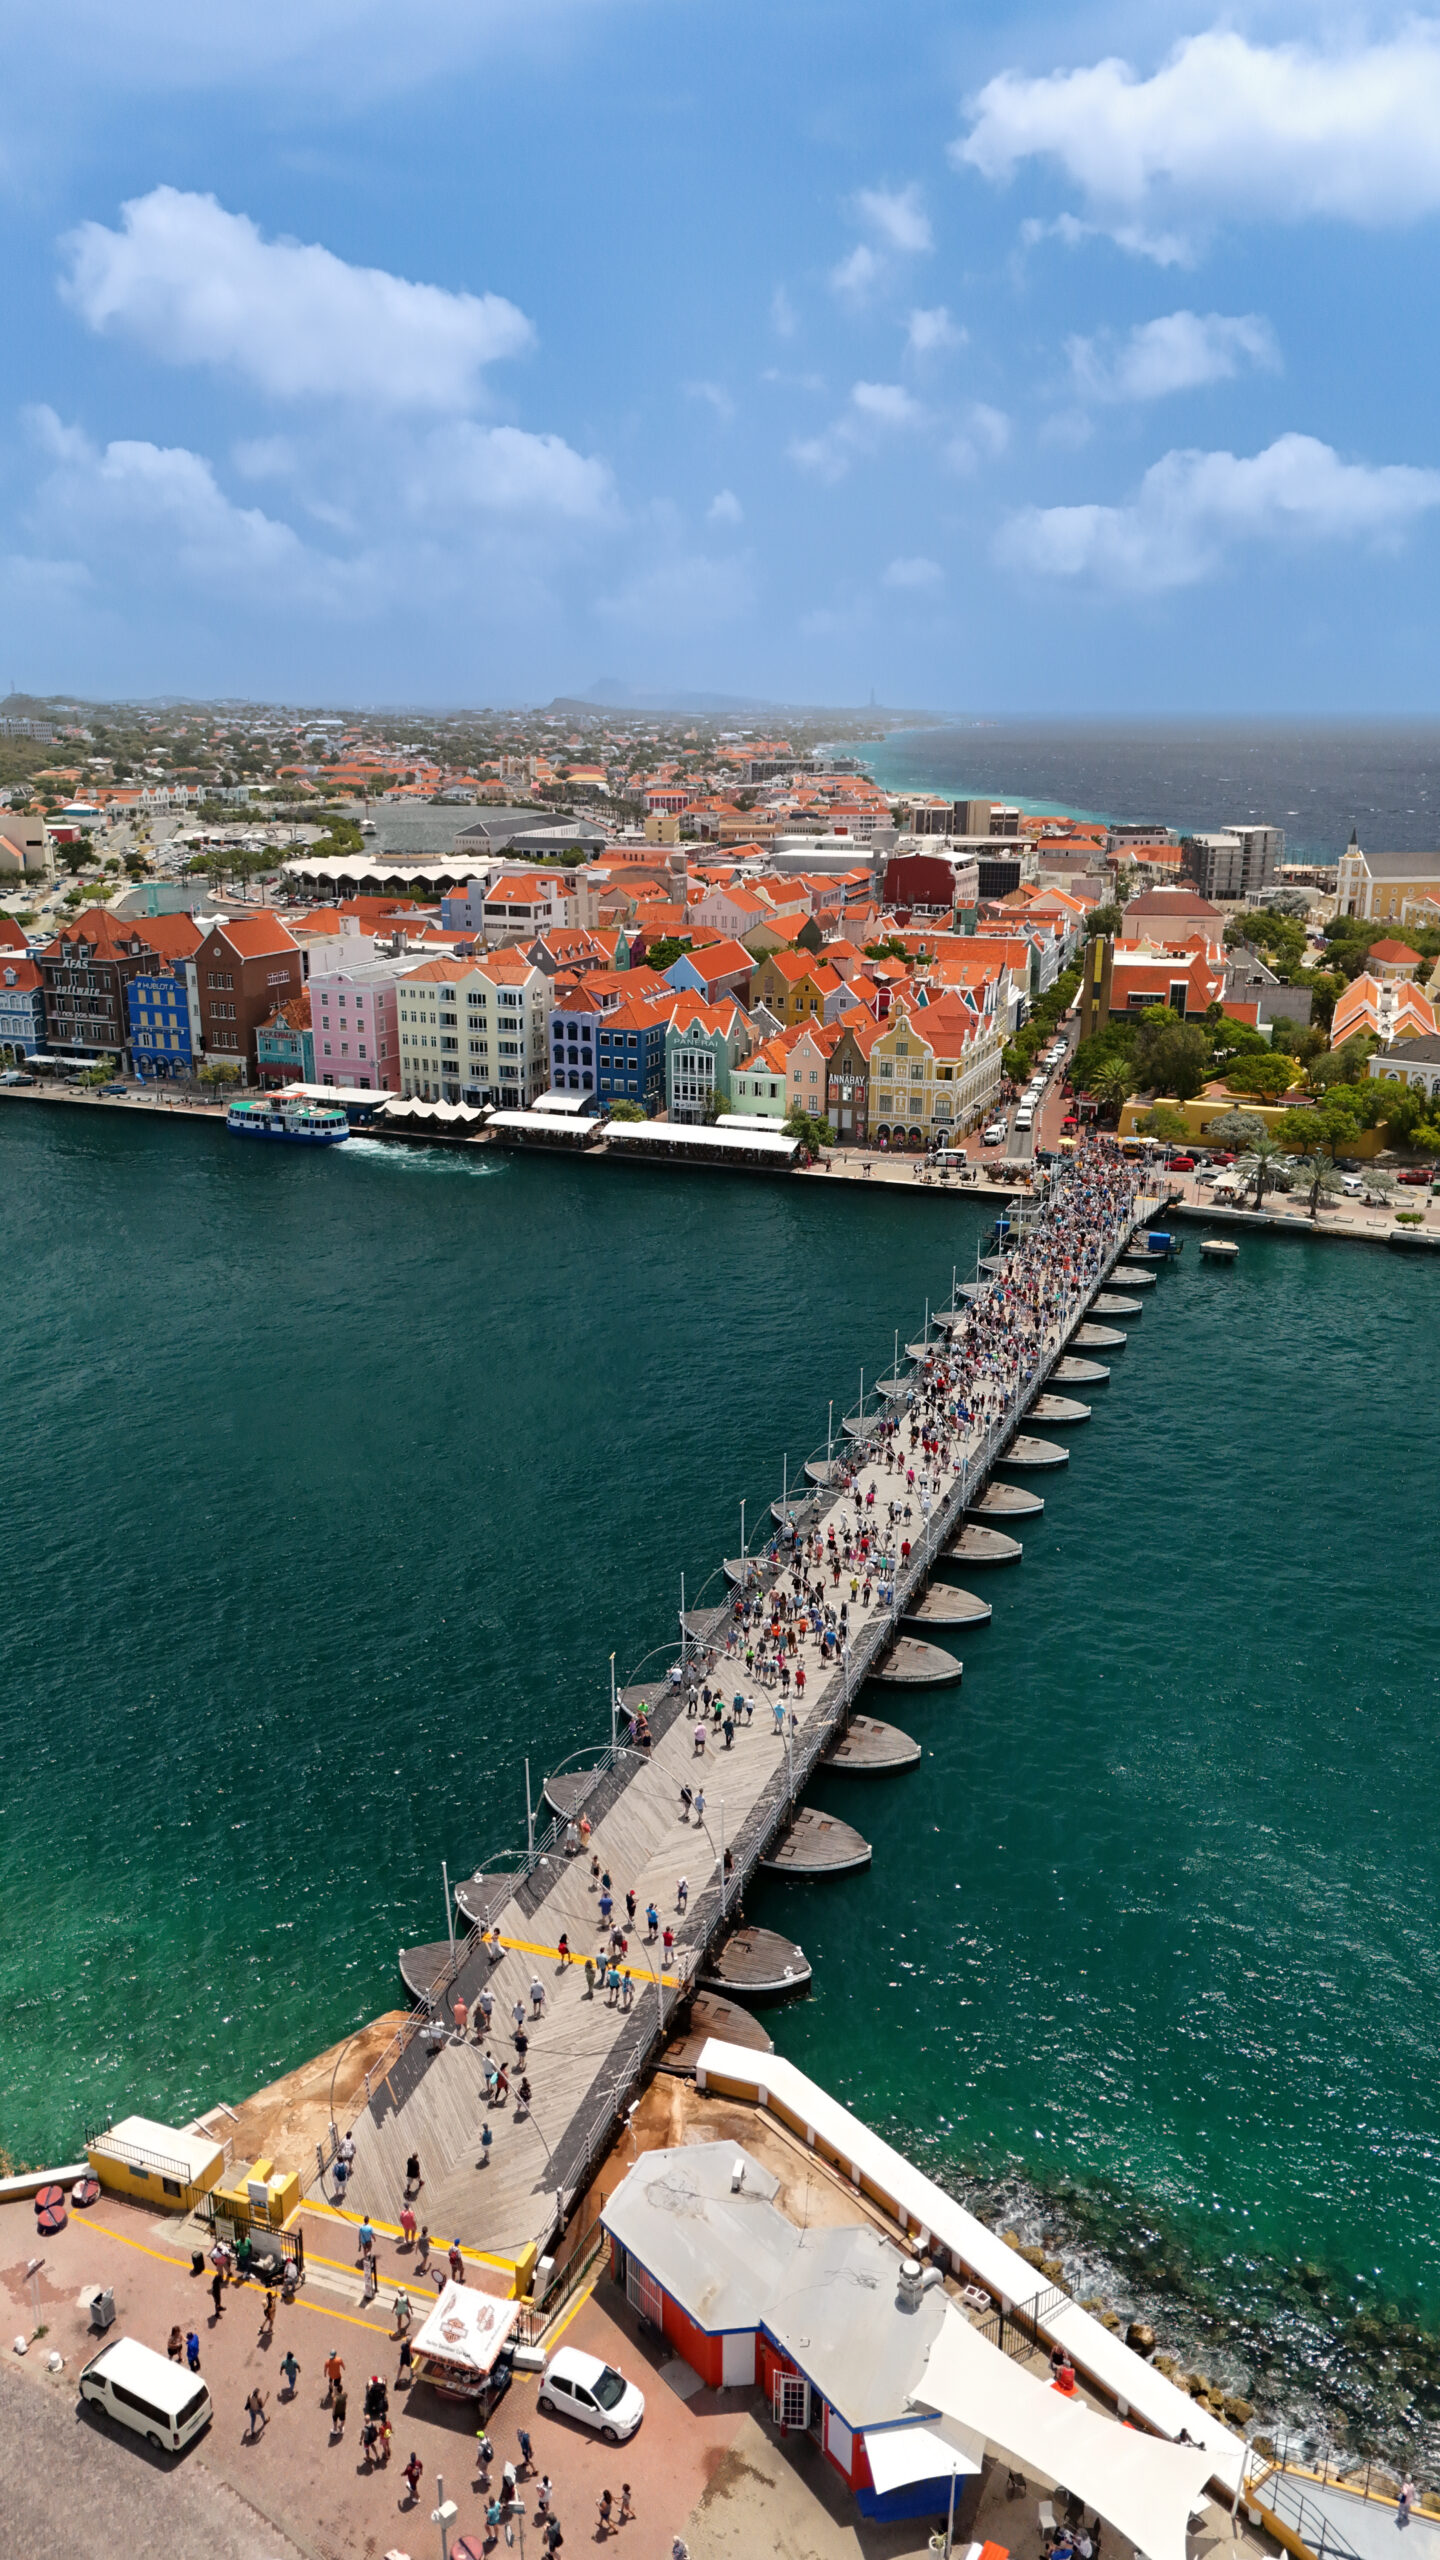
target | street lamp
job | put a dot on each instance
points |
(444, 2515)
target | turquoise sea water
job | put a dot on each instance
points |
(328, 1486)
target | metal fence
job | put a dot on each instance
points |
(1286, 2500)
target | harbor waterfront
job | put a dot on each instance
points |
(404, 1469)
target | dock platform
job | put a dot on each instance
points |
(1053, 1409)
(817, 1844)
(1128, 1275)
(909, 1664)
(1027, 1452)
(983, 1546)
(422, 1969)
(1007, 1502)
(760, 1963)
(946, 1605)
(869, 1749)
(1099, 1337)
(1109, 1304)
(1078, 1373)
(710, 2015)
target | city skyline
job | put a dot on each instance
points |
(996, 368)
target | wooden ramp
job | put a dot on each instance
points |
(870, 1749)
(1077, 1373)
(909, 1664)
(712, 2016)
(984, 1546)
(817, 1844)
(1055, 1409)
(946, 1605)
(1007, 1502)
(1025, 1451)
(759, 1963)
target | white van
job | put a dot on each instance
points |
(162, 2401)
(1024, 1117)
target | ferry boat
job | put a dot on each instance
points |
(271, 1115)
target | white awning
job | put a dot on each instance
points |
(467, 2328)
(901, 2456)
(1145, 2489)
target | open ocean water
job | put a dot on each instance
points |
(1316, 779)
(329, 1482)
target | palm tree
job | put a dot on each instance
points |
(1112, 1084)
(1262, 1159)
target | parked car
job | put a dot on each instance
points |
(114, 1088)
(579, 2386)
(1180, 1164)
(1221, 1156)
(993, 1134)
(16, 1075)
(1418, 1174)
(1352, 1184)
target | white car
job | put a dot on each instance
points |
(994, 1134)
(575, 2385)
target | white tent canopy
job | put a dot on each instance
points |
(1145, 2489)
(900, 2456)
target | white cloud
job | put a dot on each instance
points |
(983, 438)
(725, 508)
(1180, 352)
(715, 396)
(1165, 248)
(856, 274)
(930, 331)
(506, 471)
(264, 457)
(194, 284)
(914, 577)
(874, 408)
(163, 504)
(1190, 507)
(1286, 130)
(896, 218)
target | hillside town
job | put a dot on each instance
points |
(692, 927)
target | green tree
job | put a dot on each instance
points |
(1112, 1084)
(1163, 1120)
(1234, 1130)
(219, 1071)
(1100, 920)
(1171, 1057)
(813, 1134)
(104, 1071)
(621, 1109)
(1345, 1065)
(1267, 1078)
(1262, 1164)
(1320, 1134)
(664, 953)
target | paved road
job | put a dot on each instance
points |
(70, 2483)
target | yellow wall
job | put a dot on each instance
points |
(120, 2179)
(1208, 1107)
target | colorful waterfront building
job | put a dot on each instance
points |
(164, 1013)
(759, 1085)
(285, 1045)
(22, 1007)
(355, 1025)
(704, 1043)
(475, 1031)
(630, 1053)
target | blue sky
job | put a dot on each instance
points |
(1020, 361)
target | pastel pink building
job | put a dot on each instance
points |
(355, 1025)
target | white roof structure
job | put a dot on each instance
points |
(750, 1120)
(557, 1128)
(921, 2207)
(447, 1113)
(1146, 2489)
(139, 2142)
(667, 1137)
(368, 1096)
(901, 2456)
(554, 1100)
(467, 2328)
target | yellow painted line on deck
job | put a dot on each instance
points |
(391, 2230)
(171, 2258)
(637, 1972)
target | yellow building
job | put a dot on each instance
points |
(933, 1073)
(156, 2163)
(1377, 886)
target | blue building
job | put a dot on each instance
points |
(22, 1007)
(164, 1021)
(630, 1054)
